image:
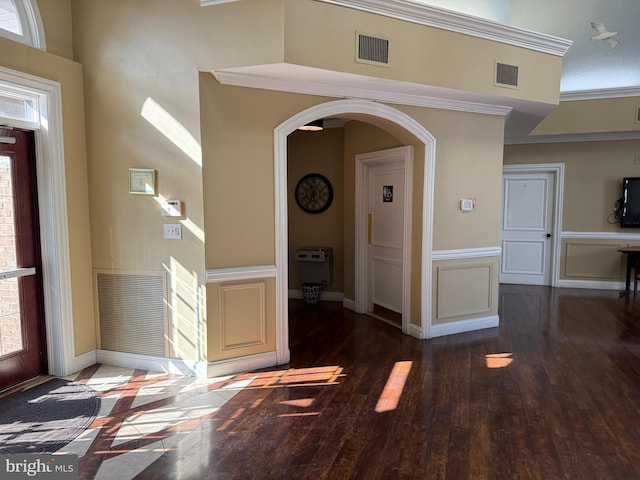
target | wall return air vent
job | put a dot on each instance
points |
(506, 75)
(132, 312)
(372, 50)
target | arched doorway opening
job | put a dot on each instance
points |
(372, 112)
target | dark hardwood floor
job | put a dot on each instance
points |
(553, 393)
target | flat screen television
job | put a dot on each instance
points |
(630, 202)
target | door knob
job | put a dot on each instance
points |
(548, 235)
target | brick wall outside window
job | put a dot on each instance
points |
(10, 331)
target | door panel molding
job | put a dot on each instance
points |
(557, 170)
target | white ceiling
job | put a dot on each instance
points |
(588, 64)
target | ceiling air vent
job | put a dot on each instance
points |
(374, 50)
(506, 75)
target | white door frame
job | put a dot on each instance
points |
(364, 162)
(557, 170)
(344, 108)
(52, 204)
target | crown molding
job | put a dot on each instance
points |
(421, 14)
(600, 94)
(245, 79)
(573, 137)
(206, 3)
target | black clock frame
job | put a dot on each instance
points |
(323, 179)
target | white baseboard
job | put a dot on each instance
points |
(415, 331)
(324, 296)
(84, 360)
(349, 304)
(181, 367)
(593, 285)
(464, 326)
(154, 364)
(243, 364)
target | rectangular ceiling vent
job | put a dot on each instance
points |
(506, 75)
(372, 50)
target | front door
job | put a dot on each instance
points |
(21, 298)
(386, 240)
(527, 222)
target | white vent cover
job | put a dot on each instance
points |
(374, 50)
(506, 75)
(132, 314)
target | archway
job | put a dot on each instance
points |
(347, 108)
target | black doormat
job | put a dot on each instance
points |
(43, 419)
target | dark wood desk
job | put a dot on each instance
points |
(633, 255)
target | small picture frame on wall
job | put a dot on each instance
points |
(142, 181)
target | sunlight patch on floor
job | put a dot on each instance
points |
(390, 396)
(498, 360)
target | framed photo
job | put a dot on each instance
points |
(142, 181)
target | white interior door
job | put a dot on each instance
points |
(386, 236)
(527, 222)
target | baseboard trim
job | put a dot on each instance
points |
(324, 296)
(349, 304)
(414, 331)
(181, 367)
(84, 360)
(464, 326)
(591, 284)
(243, 364)
(154, 364)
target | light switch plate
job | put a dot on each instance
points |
(173, 231)
(467, 205)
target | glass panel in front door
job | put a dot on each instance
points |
(10, 318)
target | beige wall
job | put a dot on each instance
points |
(56, 20)
(148, 106)
(69, 74)
(416, 52)
(591, 116)
(237, 173)
(469, 149)
(317, 152)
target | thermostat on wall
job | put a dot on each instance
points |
(171, 208)
(467, 205)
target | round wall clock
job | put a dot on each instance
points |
(314, 193)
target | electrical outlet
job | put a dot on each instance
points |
(173, 231)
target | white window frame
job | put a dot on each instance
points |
(31, 24)
(25, 94)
